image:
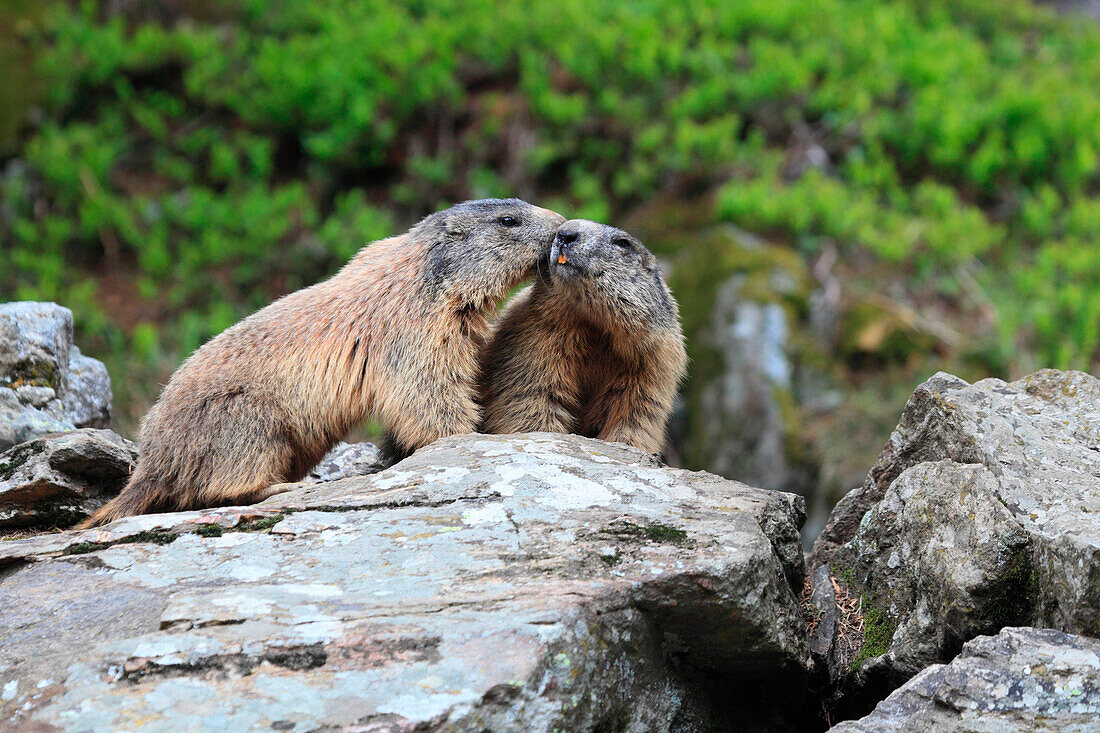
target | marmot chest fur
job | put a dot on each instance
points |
(594, 348)
(395, 335)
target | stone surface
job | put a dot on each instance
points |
(743, 421)
(538, 582)
(46, 384)
(345, 460)
(826, 617)
(1019, 680)
(35, 339)
(57, 480)
(982, 512)
(1089, 8)
(87, 394)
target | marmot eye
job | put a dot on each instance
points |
(622, 242)
(508, 221)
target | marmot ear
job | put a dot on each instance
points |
(453, 228)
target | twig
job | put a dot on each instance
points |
(111, 249)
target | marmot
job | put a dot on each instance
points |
(593, 348)
(395, 334)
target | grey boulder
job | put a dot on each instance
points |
(59, 479)
(534, 582)
(345, 460)
(979, 514)
(1019, 680)
(741, 420)
(46, 384)
(35, 339)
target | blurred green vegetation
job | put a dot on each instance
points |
(184, 163)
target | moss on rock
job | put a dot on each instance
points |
(1017, 592)
(662, 533)
(17, 456)
(768, 274)
(878, 630)
(33, 373)
(261, 525)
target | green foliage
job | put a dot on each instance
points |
(17, 91)
(188, 166)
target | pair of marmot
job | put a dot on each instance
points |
(402, 333)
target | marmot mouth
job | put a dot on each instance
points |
(568, 268)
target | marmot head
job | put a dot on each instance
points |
(611, 275)
(481, 249)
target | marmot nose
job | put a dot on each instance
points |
(567, 236)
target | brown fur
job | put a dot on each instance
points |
(594, 348)
(395, 334)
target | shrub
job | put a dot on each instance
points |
(189, 165)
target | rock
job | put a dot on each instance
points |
(23, 422)
(826, 302)
(1019, 680)
(752, 362)
(46, 384)
(826, 617)
(344, 460)
(87, 395)
(981, 513)
(1088, 8)
(35, 396)
(57, 480)
(744, 422)
(533, 582)
(35, 339)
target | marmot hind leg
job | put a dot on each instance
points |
(258, 451)
(391, 451)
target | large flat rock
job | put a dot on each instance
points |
(1034, 680)
(539, 582)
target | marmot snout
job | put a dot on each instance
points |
(593, 348)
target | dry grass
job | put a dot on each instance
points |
(22, 534)
(850, 628)
(850, 621)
